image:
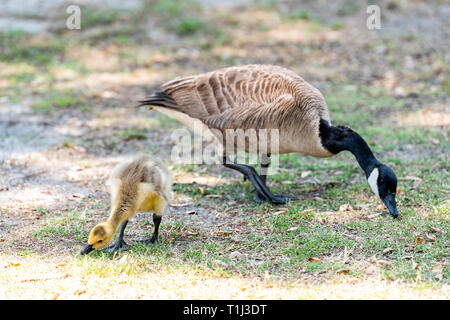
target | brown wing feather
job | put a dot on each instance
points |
(271, 115)
(255, 93)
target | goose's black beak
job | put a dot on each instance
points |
(389, 202)
(88, 248)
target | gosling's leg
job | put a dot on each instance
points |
(120, 244)
(262, 191)
(156, 221)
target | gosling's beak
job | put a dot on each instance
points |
(389, 202)
(88, 248)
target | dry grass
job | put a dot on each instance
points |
(64, 278)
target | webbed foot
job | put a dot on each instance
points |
(260, 198)
(116, 246)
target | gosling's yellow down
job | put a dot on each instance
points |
(139, 184)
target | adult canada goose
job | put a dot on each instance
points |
(140, 184)
(269, 97)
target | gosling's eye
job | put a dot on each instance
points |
(99, 241)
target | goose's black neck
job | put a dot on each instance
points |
(339, 138)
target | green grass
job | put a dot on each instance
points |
(337, 26)
(302, 15)
(98, 17)
(348, 8)
(189, 25)
(132, 133)
(186, 18)
(57, 100)
(56, 225)
(19, 46)
(299, 234)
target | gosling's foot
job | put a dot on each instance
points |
(260, 198)
(116, 246)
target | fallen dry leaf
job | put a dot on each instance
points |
(322, 220)
(437, 271)
(306, 211)
(419, 240)
(218, 263)
(235, 254)
(213, 196)
(305, 174)
(384, 262)
(181, 204)
(399, 191)
(123, 259)
(362, 206)
(345, 207)
(12, 264)
(342, 271)
(192, 212)
(79, 292)
(202, 190)
(435, 141)
(388, 250)
(222, 233)
(283, 210)
(374, 215)
(431, 237)
(436, 230)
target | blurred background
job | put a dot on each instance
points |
(67, 111)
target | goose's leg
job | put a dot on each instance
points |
(156, 221)
(262, 192)
(120, 244)
(244, 175)
(265, 163)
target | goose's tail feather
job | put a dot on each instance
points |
(160, 99)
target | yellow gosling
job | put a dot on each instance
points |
(140, 184)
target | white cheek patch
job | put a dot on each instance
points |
(373, 181)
